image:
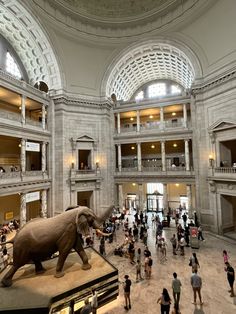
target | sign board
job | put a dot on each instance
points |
(34, 196)
(9, 215)
(32, 147)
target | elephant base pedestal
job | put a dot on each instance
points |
(43, 293)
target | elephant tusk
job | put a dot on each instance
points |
(102, 233)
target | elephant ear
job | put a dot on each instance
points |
(82, 224)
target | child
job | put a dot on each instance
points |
(225, 256)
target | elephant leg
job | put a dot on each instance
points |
(84, 258)
(7, 279)
(60, 263)
(39, 267)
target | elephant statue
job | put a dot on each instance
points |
(39, 238)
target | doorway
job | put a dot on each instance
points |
(85, 198)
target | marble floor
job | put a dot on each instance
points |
(145, 293)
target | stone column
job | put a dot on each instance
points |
(119, 158)
(163, 156)
(140, 194)
(44, 204)
(187, 163)
(120, 197)
(138, 121)
(43, 157)
(165, 198)
(23, 155)
(139, 156)
(189, 197)
(23, 99)
(118, 123)
(185, 116)
(44, 116)
(162, 117)
(22, 209)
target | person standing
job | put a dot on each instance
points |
(185, 218)
(196, 283)
(165, 302)
(200, 236)
(193, 261)
(127, 285)
(94, 301)
(173, 241)
(176, 286)
(225, 256)
(86, 309)
(231, 277)
(138, 270)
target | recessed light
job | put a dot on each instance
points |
(175, 145)
(133, 184)
(153, 146)
(173, 113)
(131, 119)
(151, 116)
(176, 184)
(132, 147)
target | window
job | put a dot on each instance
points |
(158, 89)
(12, 67)
(139, 96)
(175, 90)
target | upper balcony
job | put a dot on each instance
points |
(147, 121)
(223, 173)
(26, 110)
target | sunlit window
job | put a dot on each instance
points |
(12, 67)
(175, 90)
(139, 96)
(158, 89)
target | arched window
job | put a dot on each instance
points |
(12, 67)
(10, 61)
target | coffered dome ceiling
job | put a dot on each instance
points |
(119, 18)
(117, 10)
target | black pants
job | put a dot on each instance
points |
(165, 309)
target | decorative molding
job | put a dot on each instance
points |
(212, 84)
(221, 125)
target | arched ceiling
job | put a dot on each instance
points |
(118, 19)
(147, 63)
(22, 31)
(116, 10)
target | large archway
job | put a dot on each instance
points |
(31, 44)
(147, 61)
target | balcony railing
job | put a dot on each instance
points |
(155, 125)
(225, 169)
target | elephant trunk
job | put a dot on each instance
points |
(103, 233)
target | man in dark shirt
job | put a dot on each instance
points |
(231, 277)
(127, 285)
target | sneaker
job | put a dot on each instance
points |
(201, 303)
(194, 302)
(130, 306)
(232, 295)
(126, 308)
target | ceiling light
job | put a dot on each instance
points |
(173, 113)
(133, 184)
(150, 116)
(153, 146)
(132, 147)
(20, 108)
(131, 119)
(177, 184)
(175, 145)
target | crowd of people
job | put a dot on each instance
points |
(135, 248)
